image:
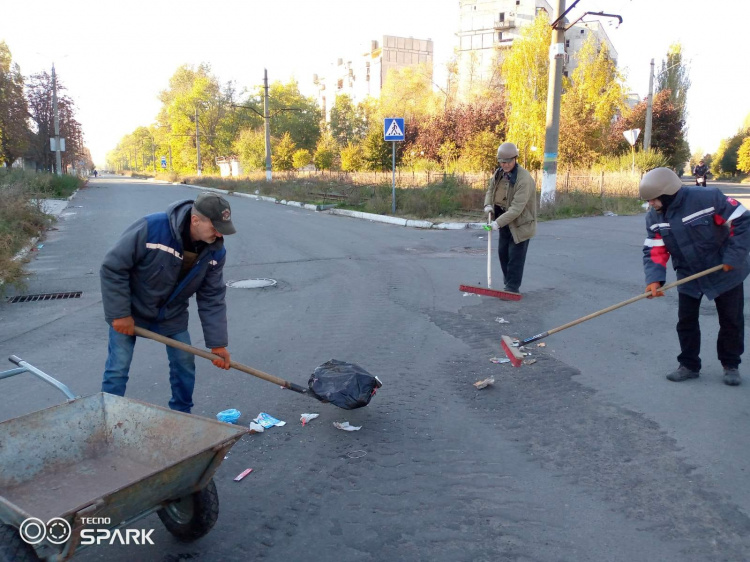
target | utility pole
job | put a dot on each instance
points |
(649, 110)
(554, 93)
(267, 122)
(197, 141)
(58, 156)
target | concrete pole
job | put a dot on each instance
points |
(198, 141)
(58, 156)
(554, 93)
(649, 110)
(267, 123)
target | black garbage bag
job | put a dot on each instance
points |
(345, 385)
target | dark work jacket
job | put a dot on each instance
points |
(139, 278)
(702, 228)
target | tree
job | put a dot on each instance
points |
(283, 153)
(675, 77)
(347, 121)
(376, 153)
(292, 113)
(195, 93)
(666, 129)
(743, 156)
(14, 131)
(480, 152)
(301, 158)
(325, 152)
(407, 92)
(595, 95)
(250, 148)
(725, 160)
(41, 111)
(525, 70)
(351, 158)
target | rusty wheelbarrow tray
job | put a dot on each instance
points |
(102, 462)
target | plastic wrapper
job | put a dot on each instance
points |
(228, 416)
(345, 385)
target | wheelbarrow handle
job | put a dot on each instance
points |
(210, 356)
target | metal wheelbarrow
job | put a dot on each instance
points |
(90, 467)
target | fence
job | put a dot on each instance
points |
(605, 184)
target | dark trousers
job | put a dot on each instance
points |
(512, 259)
(731, 341)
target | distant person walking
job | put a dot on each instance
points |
(511, 198)
(699, 228)
(147, 279)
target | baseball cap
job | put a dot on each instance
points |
(215, 208)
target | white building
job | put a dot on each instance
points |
(487, 27)
(364, 74)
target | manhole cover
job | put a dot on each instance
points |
(252, 283)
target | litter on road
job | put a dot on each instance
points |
(499, 360)
(501, 320)
(228, 416)
(345, 426)
(304, 418)
(255, 428)
(485, 383)
(268, 421)
(242, 474)
(529, 361)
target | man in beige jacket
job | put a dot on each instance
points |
(511, 198)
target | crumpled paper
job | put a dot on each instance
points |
(345, 426)
(304, 418)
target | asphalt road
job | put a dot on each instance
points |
(589, 454)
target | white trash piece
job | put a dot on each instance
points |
(345, 426)
(268, 421)
(304, 418)
(255, 427)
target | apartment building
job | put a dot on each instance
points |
(488, 27)
(364, 74)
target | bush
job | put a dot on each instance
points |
(644, 161)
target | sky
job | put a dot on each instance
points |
(114, 56)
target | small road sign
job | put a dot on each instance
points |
(164, 162)
(393, 128)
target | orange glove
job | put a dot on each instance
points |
(728, 267)
(653, 288)
(124, 325)
(222, 352)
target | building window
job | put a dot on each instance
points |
(499, 35)
(583, 31)
(565, 73)
(501, 16)
(518, 2)
(567, 43)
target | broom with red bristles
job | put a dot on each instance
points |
(489, 291)
(512, 348)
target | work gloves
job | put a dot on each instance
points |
(222, 352)
(488, 208)
(124, 325)
(653, 288)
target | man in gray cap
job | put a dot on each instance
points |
(147, 279)
(699, 228)
(511, 198)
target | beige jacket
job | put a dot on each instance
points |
(518, 199)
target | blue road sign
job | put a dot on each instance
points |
(393, 128)
(163, 161)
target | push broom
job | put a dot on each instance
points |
(489, 291)
(516, 356)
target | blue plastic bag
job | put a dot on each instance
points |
(228, 416)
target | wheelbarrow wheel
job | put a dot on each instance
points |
(193, 516)
(13, 548)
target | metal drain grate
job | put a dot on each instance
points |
(46, 297)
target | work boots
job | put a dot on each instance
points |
(732, 376)
(682, 374)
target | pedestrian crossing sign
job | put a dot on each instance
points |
(393, 128)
